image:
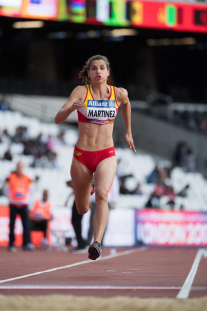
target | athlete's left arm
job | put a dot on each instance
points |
(123, 100)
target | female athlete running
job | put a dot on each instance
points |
(97, 104)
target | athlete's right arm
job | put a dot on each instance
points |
(74, 102)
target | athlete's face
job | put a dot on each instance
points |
(98, 71)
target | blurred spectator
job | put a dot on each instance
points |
(3, 103)
(17, 136)
(122, 188)
(20, 135)
(24, 134)
(5, 137)
(58, 140)
(203, 127)
(183, 193)
(159, 189)
(154, 176)
(40, 215)
(190, 161)
(185, 157)
(7, 155)
(41, 144)
(169, 192)
(137, 190)
(180, 154)
(28, 150)
(55, 160)
(50, 143)
(164, 174)
(61, 138)
(18, 190)
(153, 202)
(171, 204)
(39, 139)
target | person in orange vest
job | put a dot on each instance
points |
(18, 190)
(40, 215)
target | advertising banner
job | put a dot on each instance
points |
(45, 9)
(126, 227)
(169, 15)
(11, 8)
(155, 227)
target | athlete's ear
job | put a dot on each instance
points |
(108, 72)
(88, 73)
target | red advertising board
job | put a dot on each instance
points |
(174, 16)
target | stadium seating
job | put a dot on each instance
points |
(54, 179)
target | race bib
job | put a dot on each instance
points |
(101, 110)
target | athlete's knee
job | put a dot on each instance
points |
(101, 195)
(82, 209)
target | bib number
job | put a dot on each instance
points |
(101, 110)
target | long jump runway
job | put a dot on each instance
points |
(138, 272)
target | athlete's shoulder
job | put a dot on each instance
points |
(80, 89)
(121, 94)
(79, 92)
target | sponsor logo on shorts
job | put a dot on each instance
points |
(77, 153)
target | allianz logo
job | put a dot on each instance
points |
(101, 103)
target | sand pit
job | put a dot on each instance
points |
(72, 303)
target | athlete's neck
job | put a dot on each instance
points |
(101, 90)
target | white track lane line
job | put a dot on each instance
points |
(62, 287)
(77, 264)
(48, 287)
(185, 290)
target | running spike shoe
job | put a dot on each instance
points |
(94, 250)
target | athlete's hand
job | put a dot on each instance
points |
(77, 104)
(130, 142)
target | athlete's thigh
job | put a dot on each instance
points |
(82, 178)
(105, 173)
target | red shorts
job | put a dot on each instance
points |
(92, 158)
